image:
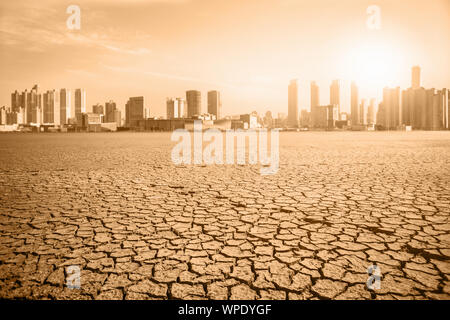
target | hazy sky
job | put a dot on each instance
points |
(247, 49)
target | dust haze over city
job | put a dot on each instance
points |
(225, 150)
(249, 50)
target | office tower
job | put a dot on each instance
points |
(171, 108)
(134, 111)
(97, 109)
(293, 104)
(446, 100)
(415, 77)
(371, 112)
(426, 114)
(326, 116)
(3, 117)
(35, 104)
(418, 108)
(181, 107)
(110, 108)
(24, 101)
(80, 104)
(194, 103)
(407, 106)
(65, 103)
(51, 107)
(362, 112)
(15, 101)
(354, 103)
(437, 111)
(315, 102)
(389, 111)
(314, 95)
(214, 104)
(335, 95)
(118, 117)
(175, 108)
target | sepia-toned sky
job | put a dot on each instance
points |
(247, 49)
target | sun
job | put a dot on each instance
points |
(374, 65)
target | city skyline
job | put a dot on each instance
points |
(415, 107)
(241, 62)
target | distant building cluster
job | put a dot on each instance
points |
(58, 110)
(414, 108)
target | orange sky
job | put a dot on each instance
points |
(247, 49)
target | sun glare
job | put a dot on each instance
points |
(374, 65)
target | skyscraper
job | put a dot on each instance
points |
(65, 103)
(171, 108)
(175, 108)
(51, 110)
(214, 103)
(194, 103)
(371, 112)
(34, 106)
(389, 112)
(112, 114)
(415, 77)
(335, 97)
(293, 104)
(80, 104)
(15, 101)
(110, 107)
(134, 111)
(314, 95)
(363, 108)
(315, 102)
(354, 103)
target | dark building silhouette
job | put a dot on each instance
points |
(215, 104)
(134, 111)
(194, 103)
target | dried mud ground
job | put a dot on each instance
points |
(140, 227)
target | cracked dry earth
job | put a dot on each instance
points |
(140, 227)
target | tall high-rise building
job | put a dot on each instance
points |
(293, 104)
(175, 108)
(171, 108)
(418, 107)
(33, 105)
(315, 102)
(363, 108)
(134, 111)
(110, 107)
(407, 106)
(214, 103)
(415, 77)
(371, 112)
(112, 114)
(354, 104)
(315, 99)
(335, 96)
(181, 108)
(80, 104)
(446, 102)
(65, 103)
(51, 110)
(389, 112)
(16, 103)
(194, 103)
